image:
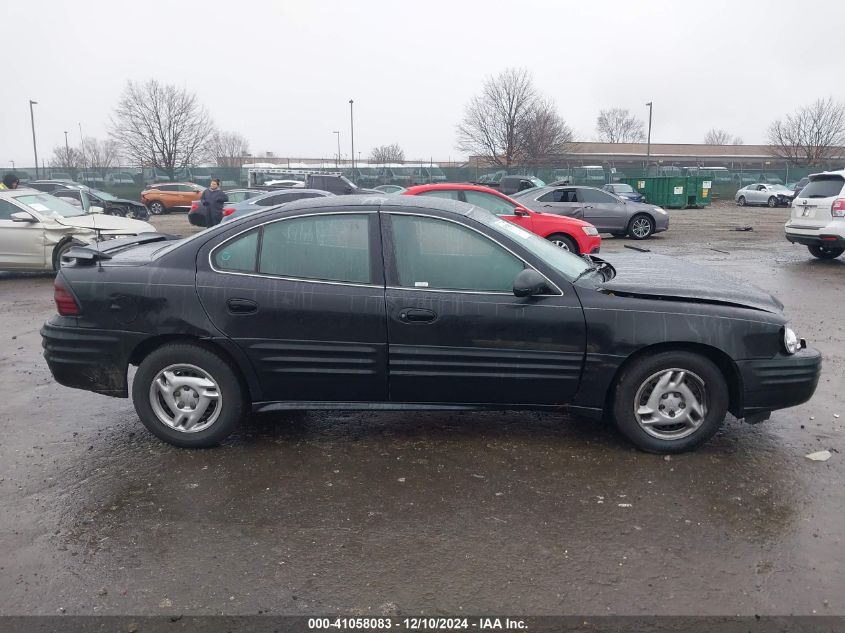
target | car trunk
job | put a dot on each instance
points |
(812, 208)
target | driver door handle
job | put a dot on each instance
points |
(416, 315)
(242, 306)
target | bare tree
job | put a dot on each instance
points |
(387, 154)
(544, 135)
(492, 120)
(737, 140)
(99, 155)
(810, 135)
(618, 125)
(228, 149)
(161, 126)
(66, 158)
(716, 136)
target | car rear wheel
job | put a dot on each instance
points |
(823, 252)
(565, 242)
(741, 201)
(157, 208)
(188, 396)
(670, 402)
(772, 202)
(640, 227)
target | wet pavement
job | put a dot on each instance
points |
(436, 513)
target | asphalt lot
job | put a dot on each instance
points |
(436, 513)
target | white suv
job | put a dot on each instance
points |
(818, 215)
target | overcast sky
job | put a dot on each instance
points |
(282, 73)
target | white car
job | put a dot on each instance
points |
(764, 193)
(37, 228)
(818, 215)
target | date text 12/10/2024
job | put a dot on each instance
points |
(417, 624)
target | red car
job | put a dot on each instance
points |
(570, 234)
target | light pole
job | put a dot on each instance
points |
(34, 147)
(352, 133)
(648, 144)
(13, 165)
(67, 151)
(337, 161)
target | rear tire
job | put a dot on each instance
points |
(180, 379)
(641, 227)
(651, 389)
(823, 252)
(564, 242)
(741, 201)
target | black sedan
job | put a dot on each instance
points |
(105, 202)
(395, 302)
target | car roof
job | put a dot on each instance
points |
(450, 186)
(275, 192)
(389, 201)
(836, 172)
(157, 184)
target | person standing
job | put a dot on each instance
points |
(10, 181)
(212, 201)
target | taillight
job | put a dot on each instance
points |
(194, 206)
(228, 211)
(65, 301)
(837, 210)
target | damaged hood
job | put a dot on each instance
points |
(659, 276)
(106, 223)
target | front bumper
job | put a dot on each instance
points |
(93, 360)
(780, 382)
(661, 222)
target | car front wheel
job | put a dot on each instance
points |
(640, 227)
(741, 201)
(188, 396)
(670, 402)
(824, 252)
(157, 208)
(772, 202)
(564, 242)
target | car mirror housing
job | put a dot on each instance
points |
(23, 216)
(520, 212)
(529, 283)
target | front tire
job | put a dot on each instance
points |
(641, 227)
(772, 202)
(564, 242)
(670, 402)
(188, 396)
(823, 252)
(157, 208)
(741, 201)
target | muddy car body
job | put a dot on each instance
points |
(405, 302)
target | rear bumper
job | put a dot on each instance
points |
(821, 239)
(780, 382)
(93, 360)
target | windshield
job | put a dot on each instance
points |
(537, 182)
(567, 264)
(50, 206)
(780, 188)
(103, 195)
(623, 189)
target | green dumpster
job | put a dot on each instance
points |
(674, 192)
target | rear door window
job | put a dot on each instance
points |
(595, 196)
(559, 195)
(450, 194)
(823, 187)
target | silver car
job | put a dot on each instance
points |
(765, 193)
(607, 212)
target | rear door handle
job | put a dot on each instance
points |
(416, 315)
(242, 306)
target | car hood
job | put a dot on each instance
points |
(125, 201)
(102, 222)
(658, 276)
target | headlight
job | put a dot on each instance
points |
(790, 341)
(590, 230)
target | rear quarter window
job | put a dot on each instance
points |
(824, 187)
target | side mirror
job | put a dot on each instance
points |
(95, 209)
(23, 216)
(520, 212)
(530, 283)
(348, 190)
